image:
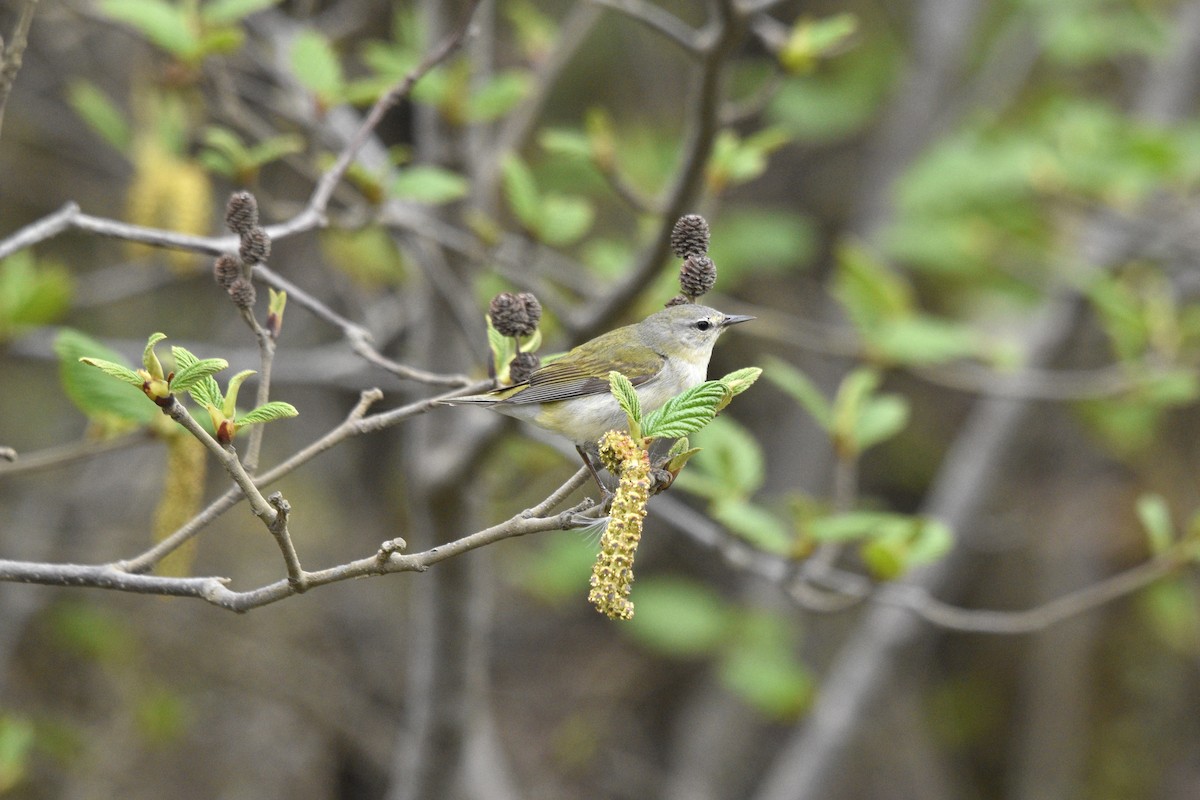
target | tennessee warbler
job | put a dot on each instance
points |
(661, 356)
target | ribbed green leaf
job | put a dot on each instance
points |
(268, 412)
(118, 371)
(188, 377)
(93, 392)
(686, 413)
(627, 398)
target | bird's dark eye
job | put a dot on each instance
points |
(703, 325)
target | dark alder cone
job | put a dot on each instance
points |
(256, 246)
(522, 366)
(677, 300)
(689, 237)
(533, 310)
(243, 293)
(241, 213)
(697, 275)
(515, 314)
(226, 270)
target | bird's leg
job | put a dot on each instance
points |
(587, 462)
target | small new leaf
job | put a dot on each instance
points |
(627, 398)
(195, 372)
(149, 359)
(737, 382)
(503, 349)
(205, 392)
(118, 371)
(268, 412)
(688, 412)
(231, 393)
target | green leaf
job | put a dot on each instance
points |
(521, 193)
(687, 412)
(868, 290)
(268, 412)
(503, 350)
(163, 24)
(731, 460)
(762, 241)
(188, 377)
(1155, 517)
(112, 369)
(17, 740)
(755, 524)
(566, 142)
(740, 380)
(229, 406)
(627, 399)
(100, 113)
(149, 359)
(275, 147)
(564, 219)
(761, 669)
(225, 12)
(430, 184)
(95, 394)
(1173, 613)
(923, 339)
(852, 395)
(31, 293)
(206, 392)
(812, 40)
(880, 419)
(678, 617)
(316, 65)
(499, 95)
(802, 390)
(853, 525)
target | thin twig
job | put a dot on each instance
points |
(726, 32)
(63, 454)
(660, 21)
(389, 559)
(12, 54)
(228, 458)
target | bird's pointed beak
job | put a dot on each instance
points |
(734, 319)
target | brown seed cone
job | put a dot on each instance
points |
(677, 300)
(690, 235)
(226, 270)
(697, 275)
(522, 366)
(241, 213)
(515, 314)
(256, 246)
(243, 293)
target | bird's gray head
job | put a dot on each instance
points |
(687, 330)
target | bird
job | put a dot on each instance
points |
(664, 354)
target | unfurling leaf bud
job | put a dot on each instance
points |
(689, 237)
(242, 292)
(226, 270)
(256, 246)
(677, 300)
(697, 275)
(522, 366)
(241, 213)
(515, 314)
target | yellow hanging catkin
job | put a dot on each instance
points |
(612, 574)
(168, 192)
(183, 489)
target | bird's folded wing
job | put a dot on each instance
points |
(556, 381)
